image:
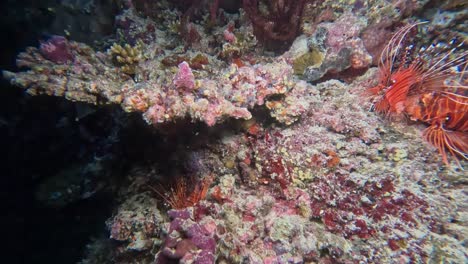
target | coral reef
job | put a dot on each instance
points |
(231, 154)
(328, 189)
(162, 96)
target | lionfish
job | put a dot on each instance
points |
(428, 88)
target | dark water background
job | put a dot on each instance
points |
(33, 147)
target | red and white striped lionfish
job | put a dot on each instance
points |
(428, 88)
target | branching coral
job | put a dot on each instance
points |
(279, 26)
(126, 57)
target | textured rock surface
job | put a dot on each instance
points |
(302, 170)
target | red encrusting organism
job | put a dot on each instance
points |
(426, 87)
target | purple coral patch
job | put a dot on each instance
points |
(56, 49)
(187, 240)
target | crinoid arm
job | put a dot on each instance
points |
(447, 141)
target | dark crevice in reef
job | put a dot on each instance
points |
(39, 138)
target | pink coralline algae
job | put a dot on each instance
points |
(189, 240)
(229, 36)
(342, 47)
(56, 49)
(184, 77)
(92, 78)
(375, 37)
(343, 32)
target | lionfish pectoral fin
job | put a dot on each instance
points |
(447, 141)
(457, 143)
(400, 107)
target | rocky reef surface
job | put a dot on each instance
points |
(257, 144)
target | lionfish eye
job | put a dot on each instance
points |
(447, 118)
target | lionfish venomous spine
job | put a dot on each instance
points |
(428, 88)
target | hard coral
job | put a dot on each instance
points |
(126, 57)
